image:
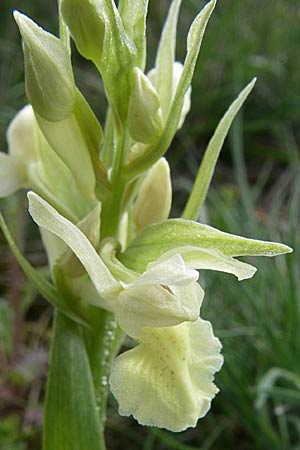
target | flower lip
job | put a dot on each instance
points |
(173, 370)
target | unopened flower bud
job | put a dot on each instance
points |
(153, 203)
(144, 115)
(176, 75)
(86, 23)
(50, 83)
(14, 167)
(21, 136)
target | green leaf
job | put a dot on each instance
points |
(71, 418)
(133, 14)
(155, 240)
(46, 289)
(47, 217)
(268, 382)
(208, 164)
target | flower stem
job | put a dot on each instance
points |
(110, 220)
(102, 345)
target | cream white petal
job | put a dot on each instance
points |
(55, 247)
(167, 380)
(212, 259)
(11, 179)
(157, 306)
(47, 217)
(21, 136)
(170, 271)
(177, 72)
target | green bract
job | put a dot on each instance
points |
(119, 265)
(50, 84)
(86, 22)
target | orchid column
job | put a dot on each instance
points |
(102, 198)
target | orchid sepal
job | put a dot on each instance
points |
(157, 239)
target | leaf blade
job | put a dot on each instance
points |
(71, 421)
(211, 155)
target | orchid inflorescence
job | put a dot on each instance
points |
(102, 199)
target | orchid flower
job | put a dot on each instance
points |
(102, 199)
(16, 166)
(159, 308)
(32, 163)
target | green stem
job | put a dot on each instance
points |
(102, 345)
(112, 207)
(107, 150)
(120, 156)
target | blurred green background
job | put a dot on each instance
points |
(255, 192)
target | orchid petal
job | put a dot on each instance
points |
(55, 247)
(167, 380)
(157, 306)
(21, 135)
(212, 259)
(22, 146)
(177, 72)
(47, 217)
(171, 271)
(10, 176)
(90, 226)
(157, 239)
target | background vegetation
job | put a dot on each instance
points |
(258, 320)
